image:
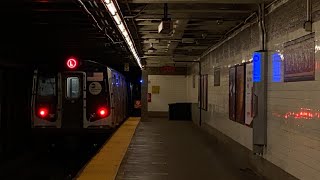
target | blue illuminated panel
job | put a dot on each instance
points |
(257, 67)
(276, 68)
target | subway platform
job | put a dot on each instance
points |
(161, 149)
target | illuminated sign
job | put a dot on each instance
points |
(276, 68)
(257, 67)
(72, 63)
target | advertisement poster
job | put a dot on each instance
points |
(299, 59)
(204, 92)
(216, 76)
(240, 88)
(232, 93)
(249, 95)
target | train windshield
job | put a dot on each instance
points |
(47, 86)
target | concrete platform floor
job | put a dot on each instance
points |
(178, 150)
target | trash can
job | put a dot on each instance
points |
(180, 111)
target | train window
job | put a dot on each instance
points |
(73, 87)
(47, 86)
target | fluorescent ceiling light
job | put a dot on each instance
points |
(112, 9)
(117, 19)
(122, 27)
(125, 34)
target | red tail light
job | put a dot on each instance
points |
(43, 112)
(103, 112)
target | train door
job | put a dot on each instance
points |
(72, 99)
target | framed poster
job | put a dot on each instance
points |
(232, 93)
(299, 59)
(216, 77)
(194, 81)
(249, 96)
(204, 92)
(240, 96)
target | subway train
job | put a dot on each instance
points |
(83, 96)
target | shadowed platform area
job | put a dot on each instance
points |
(178, 150)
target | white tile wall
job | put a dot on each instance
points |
(293, 143)
(173, 89)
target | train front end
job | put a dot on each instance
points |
(75, 100)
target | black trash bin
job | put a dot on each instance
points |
(180, 111)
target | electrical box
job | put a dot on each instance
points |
(165, 27)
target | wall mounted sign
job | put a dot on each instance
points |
(168, 69)
(276, 67)
(216, 77)
(257, 67)
(155, 89)
(299, 59)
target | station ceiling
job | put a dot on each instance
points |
(197, 24)
(83, 28)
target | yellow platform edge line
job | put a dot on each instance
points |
(105, 164)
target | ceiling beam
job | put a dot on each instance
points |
(208, 16)
(198, 1)
(173, 11)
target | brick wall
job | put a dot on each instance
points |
(293, 144)
(172, 90)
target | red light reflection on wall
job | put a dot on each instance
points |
(303, 113)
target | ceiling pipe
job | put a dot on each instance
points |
(165, 12)
(134, 24)
(135, 16)
(309, 10)
(262, 26)
(95, 21)
(241, 27)
(308, 24)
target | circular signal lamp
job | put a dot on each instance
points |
(72, 63)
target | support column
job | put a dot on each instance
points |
(144, 95)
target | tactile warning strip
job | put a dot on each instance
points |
(105, 164)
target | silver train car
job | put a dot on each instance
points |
(82, 98)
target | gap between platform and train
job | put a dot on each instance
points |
(105, 164)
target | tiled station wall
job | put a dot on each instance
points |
(172, 90)
(293, 143)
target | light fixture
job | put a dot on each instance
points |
(111, 6)
(125, 33)
(112, 9)
(122, 28)
(117, 19)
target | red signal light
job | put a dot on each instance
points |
(103, 112)
(43, 112)
(72, 63)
